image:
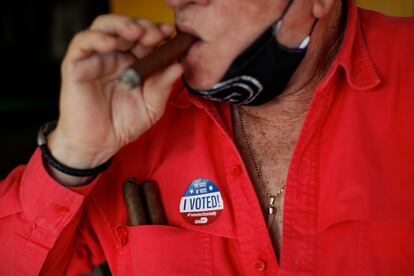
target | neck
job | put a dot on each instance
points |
(294, 101)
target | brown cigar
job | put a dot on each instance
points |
(134, 206)
(155, 210)
(158, 59)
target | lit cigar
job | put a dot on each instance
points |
(158, 59)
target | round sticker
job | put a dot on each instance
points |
(202, 202)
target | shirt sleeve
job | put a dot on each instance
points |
(42, 228)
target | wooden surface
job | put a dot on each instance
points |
(390, 7)
(158, 11)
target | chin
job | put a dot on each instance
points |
(203, 75)
(205, 65)
(199, 81)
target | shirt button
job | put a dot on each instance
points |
(81, 251)
(236, 170)
(61, 209)
(122, 234)
(260, 265)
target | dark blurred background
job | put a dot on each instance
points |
(33, 39)
(34, 36)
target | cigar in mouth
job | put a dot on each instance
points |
(158, 59)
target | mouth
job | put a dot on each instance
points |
(185, 29)
(196, 44)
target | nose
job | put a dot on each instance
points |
(181, 3)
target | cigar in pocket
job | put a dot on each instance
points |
(154, 208)
(133, 203)
(158, 59)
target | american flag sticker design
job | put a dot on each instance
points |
(202, 202)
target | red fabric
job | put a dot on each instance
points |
(349, 207)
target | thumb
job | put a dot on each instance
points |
(158, 87)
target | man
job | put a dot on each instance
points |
(342, 124)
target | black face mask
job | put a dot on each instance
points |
(258, 74)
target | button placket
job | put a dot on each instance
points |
(249, 219)
(301, 206)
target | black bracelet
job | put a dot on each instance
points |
(42, 143)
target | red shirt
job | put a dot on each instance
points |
(349, 202)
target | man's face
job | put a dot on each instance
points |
(225, 29)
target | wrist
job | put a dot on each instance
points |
(74, 154)
(76, 168)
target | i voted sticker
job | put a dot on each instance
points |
(202, 202)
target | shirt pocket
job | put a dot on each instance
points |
(388, 248)
(367, 247)
(165, 250)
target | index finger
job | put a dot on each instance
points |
(120, 25)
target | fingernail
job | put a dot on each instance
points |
(167, 28)
(132, 26)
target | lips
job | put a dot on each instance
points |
(196, 44)
(185, 29)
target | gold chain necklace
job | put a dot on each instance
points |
(272, 210)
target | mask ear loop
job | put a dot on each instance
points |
(278, 24)
(285, 11)
(305, 42)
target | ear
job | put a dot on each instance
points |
(321, 7)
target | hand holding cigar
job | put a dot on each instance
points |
(94, 106)
(158, 59)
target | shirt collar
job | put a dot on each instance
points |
(354, 57)
(179, 95)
